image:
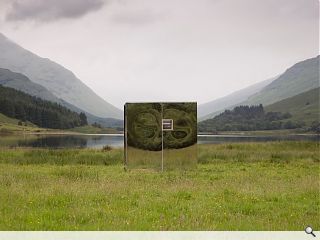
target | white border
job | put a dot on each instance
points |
(156, 235)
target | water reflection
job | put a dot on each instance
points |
(98, 141)
(62, 141)
(215, 139)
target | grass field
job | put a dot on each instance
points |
(244, 186)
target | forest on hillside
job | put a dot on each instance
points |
(249, 118)
(19, 105)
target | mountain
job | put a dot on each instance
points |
(210, 109)
(299, 111)
(22, 106)
(248, 118)
(22, 83)
(299, 78)
(302, 107)
(61, 82)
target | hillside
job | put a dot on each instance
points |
(300, 111)
(61, 82)
(22, 83)
(18, 105)
(302, 107)
(10, 125)
(213, 108)
(299, 78)
(89, 129)
(8, 120)
(248, 118)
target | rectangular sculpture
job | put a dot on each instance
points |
(160, 135)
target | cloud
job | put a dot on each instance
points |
(51, 10)
(136, 12)
(133, 18)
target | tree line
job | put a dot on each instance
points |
(46, 114)
(248, 118)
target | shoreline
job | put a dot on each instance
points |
(222, 134)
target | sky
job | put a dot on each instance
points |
(166, 50)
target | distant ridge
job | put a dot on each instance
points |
(210, 109)
(301, 77)
(298, 112)
(22, 83)
(61, 82)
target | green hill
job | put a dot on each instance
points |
(22, 83)
(213, 108)
(301, 77)
(300, 111)
(58, 80)
(302, 107)
(19, 105)
(4, 119)
(10, 125)
(89, 129)
(248, 118)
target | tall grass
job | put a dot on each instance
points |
(25, 156)
(277, 152)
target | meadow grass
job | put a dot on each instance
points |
(241, 186)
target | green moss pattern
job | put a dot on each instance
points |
(144, 121)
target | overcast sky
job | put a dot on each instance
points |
(170, 50)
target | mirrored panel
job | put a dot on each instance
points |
(143, 135)
(161, 135)
(180, 140)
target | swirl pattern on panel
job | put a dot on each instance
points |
(144, 121)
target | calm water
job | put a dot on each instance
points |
(98, 141)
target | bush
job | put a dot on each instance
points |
(106, 148)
